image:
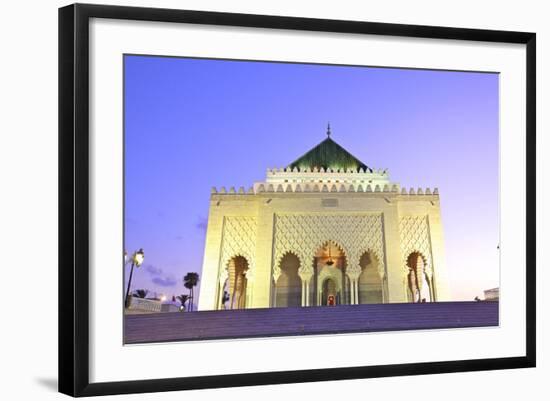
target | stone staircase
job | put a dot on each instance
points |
(269, 322)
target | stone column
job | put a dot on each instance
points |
(386, 292)
(353, 275)
(305, 276)
(308, 293)
(274, 292)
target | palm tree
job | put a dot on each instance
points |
(140, 293)
(183, 299)
(190, 281)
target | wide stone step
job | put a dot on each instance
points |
(160, 327)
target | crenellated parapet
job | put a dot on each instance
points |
(305, 180)
(314, 175)
(300, 188)
(282, 171)
(420, 192)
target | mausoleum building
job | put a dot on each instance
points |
(325, 230)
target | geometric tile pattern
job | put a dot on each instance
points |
(415, 237)
(239, 239)
(304, 234)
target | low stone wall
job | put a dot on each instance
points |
(144, 305)
(169, 308)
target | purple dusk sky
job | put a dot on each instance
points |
(193, 124)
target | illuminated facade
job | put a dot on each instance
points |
(325, 230)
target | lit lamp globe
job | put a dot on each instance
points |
(138, 257)
(137, 260)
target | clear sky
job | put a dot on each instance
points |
(192, 124)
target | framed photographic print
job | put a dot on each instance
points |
(296, 199)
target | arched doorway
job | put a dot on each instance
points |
(330, 275)
(329, 292)
(370, 282)
(237, 268)
(418, 284)
(288, 288)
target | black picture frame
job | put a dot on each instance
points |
(74, 198)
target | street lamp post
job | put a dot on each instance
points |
(137, 260)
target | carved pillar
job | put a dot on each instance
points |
(305, 275)
(353, 274)
(307, 292)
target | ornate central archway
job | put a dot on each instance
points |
(329, 274)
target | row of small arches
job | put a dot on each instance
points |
(289, 288)
(325, 188)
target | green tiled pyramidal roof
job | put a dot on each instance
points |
(329, 154)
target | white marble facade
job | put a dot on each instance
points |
(310, 236)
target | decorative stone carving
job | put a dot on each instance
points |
(304, 234)
(415, 237)
(239, 239)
